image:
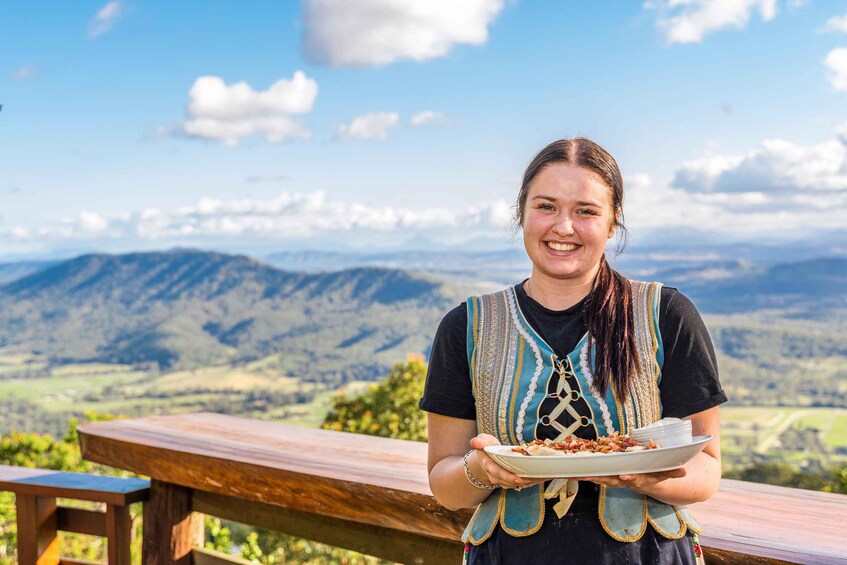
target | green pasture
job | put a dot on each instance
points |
(58, 394)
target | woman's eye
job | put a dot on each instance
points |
(587, 212)
(545, 207)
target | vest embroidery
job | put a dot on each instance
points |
(509, 361)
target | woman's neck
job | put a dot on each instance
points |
(557, 294)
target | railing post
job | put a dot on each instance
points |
(171, 529)
(118, 533)
(38, 543)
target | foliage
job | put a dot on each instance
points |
(388, 409)
(46, 452)
(782, 474)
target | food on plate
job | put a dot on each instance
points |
(614, 443)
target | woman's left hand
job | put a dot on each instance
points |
(641, 482)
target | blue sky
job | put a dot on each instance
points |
(124, 125)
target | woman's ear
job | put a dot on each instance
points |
(614, 223)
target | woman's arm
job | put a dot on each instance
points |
(695, 482)
(449, 441)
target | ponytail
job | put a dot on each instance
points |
(609, 318)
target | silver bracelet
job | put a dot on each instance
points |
(471, 479)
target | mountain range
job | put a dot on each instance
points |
(187, 308)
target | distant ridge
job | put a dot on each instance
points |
(185, 308)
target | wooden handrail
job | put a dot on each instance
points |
(40, 517)
(371, 494)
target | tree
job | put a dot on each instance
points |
(388, 409)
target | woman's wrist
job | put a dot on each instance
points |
(473, 478)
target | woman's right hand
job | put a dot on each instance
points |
(485, 469)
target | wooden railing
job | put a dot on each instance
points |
(371, 494)
(40, 517)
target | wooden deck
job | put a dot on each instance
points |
(371, 494)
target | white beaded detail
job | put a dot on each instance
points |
(539, 366)
(586, 370)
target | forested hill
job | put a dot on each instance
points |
(188, 308)
(812, 286)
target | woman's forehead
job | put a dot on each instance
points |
(563, 181)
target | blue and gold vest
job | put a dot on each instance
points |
(511, 366)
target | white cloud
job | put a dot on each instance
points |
(378, 32)
(689, 21)
(24, 72)
(369, 126)
(427, 117)
(775, 167)
(105, 19)
(836, 62)
(841, 130)
(286, 216)
(92, 222)
(837, 23)
(229, 113)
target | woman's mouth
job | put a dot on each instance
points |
(561, 246)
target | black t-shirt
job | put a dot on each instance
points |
(689, 385)
(689, 382)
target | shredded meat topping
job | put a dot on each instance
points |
(614, 443)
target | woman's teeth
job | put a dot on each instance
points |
(561, 246)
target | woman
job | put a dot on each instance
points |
(576, 349)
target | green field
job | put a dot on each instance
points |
(788, 434)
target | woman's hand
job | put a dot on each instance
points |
(641, 483)
(485, 469)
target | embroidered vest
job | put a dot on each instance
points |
(511, 366)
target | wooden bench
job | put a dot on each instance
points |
(40, 518)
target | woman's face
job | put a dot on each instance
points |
(567, 220)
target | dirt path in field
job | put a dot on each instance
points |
(774, 435)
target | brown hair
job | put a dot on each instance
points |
(608, 310)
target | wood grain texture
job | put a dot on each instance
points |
(38, 543)
(365, 538)
(170, 527)
(383, 482)
(80, 486)
(792, 525)
(82, 521)
(340, 475)
(118, 534)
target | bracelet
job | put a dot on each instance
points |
(473, 480)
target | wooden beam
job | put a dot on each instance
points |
(81, 521)
(200, 556)
(79, 486)
(170, 527)
(118, 534)
(373, 540)
(37, 519)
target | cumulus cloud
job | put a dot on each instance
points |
(105, 19)
(775, 167)
(774, 188)
(378, 32)
(24, 72)
(369, 126)
(427, 117)
(837, 23)
(229, 113)
(689, 21)
(286, 216)
(836, 62)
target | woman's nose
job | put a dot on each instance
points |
(564, 226)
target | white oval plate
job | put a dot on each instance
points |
(596, 465)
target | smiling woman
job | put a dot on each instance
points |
(574, 350)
